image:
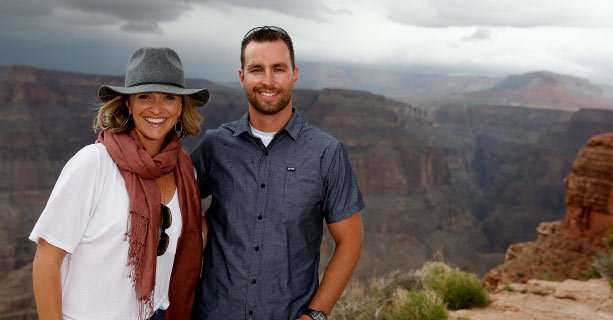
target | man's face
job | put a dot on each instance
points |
(268, 77)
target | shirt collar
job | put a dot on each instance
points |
(242, 125)
(293, 126)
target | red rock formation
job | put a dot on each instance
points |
(589, 191)
(565, 249)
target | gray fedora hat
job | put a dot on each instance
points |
(154, 70)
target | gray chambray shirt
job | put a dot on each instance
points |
(266, 217)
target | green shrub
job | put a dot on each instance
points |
(410, 281)
(608, 240)
(464, 290)
(419, 305)
(459, 290)
(590, 273)
(415, 295)
(375, 299)
(604, 264)
(433, 275)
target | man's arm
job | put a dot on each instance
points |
(201, 158)
(46, 280)
(348, 236)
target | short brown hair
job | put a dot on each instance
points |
(267, 34)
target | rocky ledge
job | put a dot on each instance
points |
(546, 300)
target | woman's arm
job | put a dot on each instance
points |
(46, 280)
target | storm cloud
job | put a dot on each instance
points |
(444, 36)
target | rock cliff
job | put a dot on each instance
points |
(589, 191)
(565, 249)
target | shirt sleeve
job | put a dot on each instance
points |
(343, 197)
(201, 157)
(64, 220)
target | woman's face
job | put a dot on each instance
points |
(154, 115)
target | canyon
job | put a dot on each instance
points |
(465, 179)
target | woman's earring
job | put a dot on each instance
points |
(179, 128)
(125, 122)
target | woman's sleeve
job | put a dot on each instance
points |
(64, 220)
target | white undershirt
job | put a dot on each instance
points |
(266, 137)
(165, 262)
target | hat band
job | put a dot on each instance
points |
(162, 83)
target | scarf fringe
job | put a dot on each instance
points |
(136, 257)
(145, 308)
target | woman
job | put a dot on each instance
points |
(125, 212)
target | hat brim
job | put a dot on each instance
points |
(200, 96)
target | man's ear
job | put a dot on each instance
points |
(295, 72)
(241, 76)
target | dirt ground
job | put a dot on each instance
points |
(546, 300)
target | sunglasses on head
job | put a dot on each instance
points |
(265, 28)
(166, 222)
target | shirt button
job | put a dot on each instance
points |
(260, 217)
(266, 153)
(253, 281)
(263, 185)
(250, 312)
(257, 248)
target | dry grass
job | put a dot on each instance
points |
(603, 263)
(425, 294)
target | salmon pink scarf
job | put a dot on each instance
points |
(139, 171)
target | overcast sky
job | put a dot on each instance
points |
(479, 37)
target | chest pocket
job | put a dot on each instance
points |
(303, 191)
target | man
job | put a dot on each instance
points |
(274, 179)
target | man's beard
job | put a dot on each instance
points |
(269, 108)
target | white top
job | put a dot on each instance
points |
(266, 137)
(87, 216)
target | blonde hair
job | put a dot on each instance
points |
(115, 116)
(191, 118)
